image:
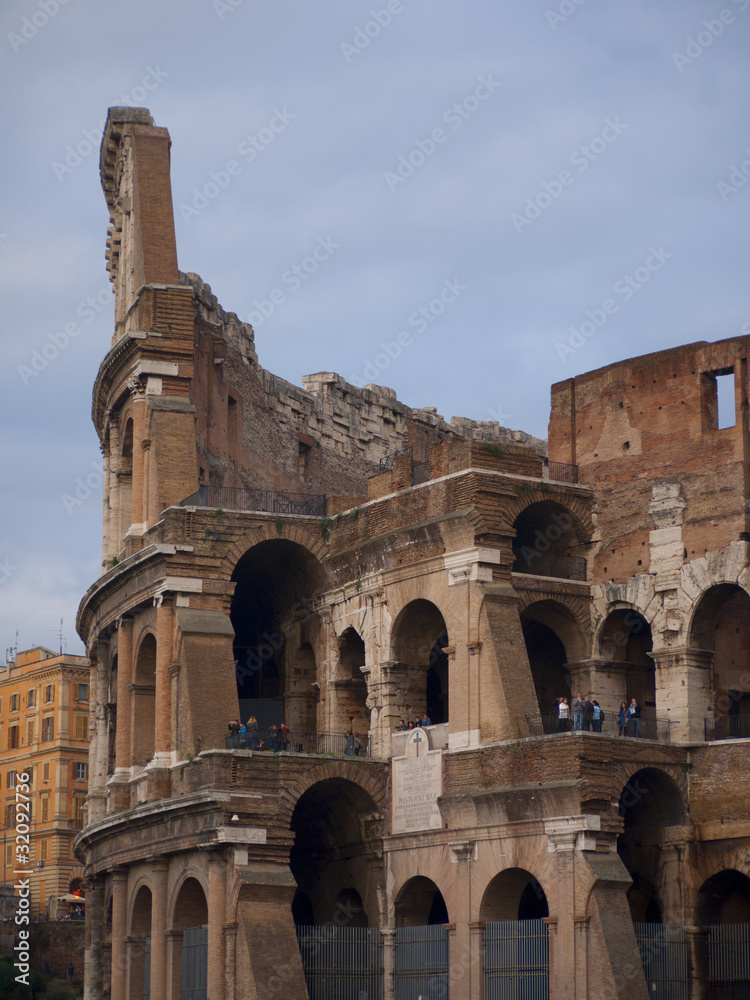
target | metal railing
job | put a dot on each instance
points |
(560, 472)
(341, 961)
(387, 463)
(650, 728)
(549, 564)
(727, 727)
(276, 741)
(248, 498)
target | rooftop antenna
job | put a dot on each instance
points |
(59, 634)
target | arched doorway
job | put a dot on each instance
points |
(189, 937)
(549, 542)
(421, 957)
(143, 701)
(721, 625)
(277, 634)
(139, 946)
(553, 639)
(351, 685)
(419, 641)
(516, 938)
(723, 912)
(625, 641)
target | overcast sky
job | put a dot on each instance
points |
(522, 190)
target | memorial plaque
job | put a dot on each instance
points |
(417, 782)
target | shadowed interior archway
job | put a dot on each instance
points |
(419, 640)
(513, 894)
(721, 625)
(420, 903)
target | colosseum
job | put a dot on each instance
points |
(328, 649)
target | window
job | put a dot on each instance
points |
(30, 698)
(44, 806)
(49, 692)
(13, 738)
(83, 692)
(45, 772)
(81, 721)
(11, 779)
(48, 729)
(80, 772)
(30, 732)
(10, 815)
(718, 405)
(1, 706)
(14, 702)
(79, 804)
(44, 850)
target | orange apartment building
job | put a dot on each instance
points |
(44, 731)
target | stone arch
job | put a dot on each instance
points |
(513, 894)
(419, 638)
(372, 783)
(274, 615)
(334, 822)
(419, 902)
(720, 627)
(624, 640)
(125, 479)
(553, 639)
(143, 699)
(189, 913)
(351, 684)
(139, 931)
(579, 511)
(650, 801)
(265, 531)
(724, 898)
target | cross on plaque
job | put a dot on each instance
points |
(417, 738)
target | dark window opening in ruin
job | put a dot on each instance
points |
(233, 420)
(276, 634)
(717, 400)
(626, 640)
(724, 899)
(420, 904)
(514, 894)
(351, 685)
(125, 482)
(336, 826)
(721, 627)
(419, 643)
(190, 942)
(143, 701)
(650, 803)
(549, 542)
(553, 638)
(138, 939)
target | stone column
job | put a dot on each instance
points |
(389, 963)
(460, 940)
(119, 921)
(123, 750)
(93, 951)
(159, 881)
(163, 708)
(580, 953)
(697, 938)
(217, 893)
(99, 749)
(476, 958)
(684, 690)
(230, 960)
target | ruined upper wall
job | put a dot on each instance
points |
(646, 433)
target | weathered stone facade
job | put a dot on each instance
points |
(330, 558)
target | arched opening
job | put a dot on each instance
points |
(110, 709)
(140, 938)
(723, 911)
(514, 894)
(625, 640)
(419, 641)
(649, 803)
(420, 904)
(549, 542)
(189, 933)
(351, 685)
(329, 859)
(276, 634)
(721, 625)
(553, 639)
(124, 481)
(144, 701)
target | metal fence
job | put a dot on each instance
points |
(528, 560)
(421, 963)
(275, 741)
(728, 962)
(651, 728)
(728, 727)
(387, 463)
(560, 472)
(342, 963)
(194, 963)
(664, 952)
(516, 960)
(267, 501)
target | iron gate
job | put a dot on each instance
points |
(665, 955)
(516, 960)
(342, 963)
(421, 963)
(728, 962)
(147, 969)
(194, 963)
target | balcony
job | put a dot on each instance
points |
(651, 728)
(727, 727)
(549, 564)
(266, 501)
(329, 744)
